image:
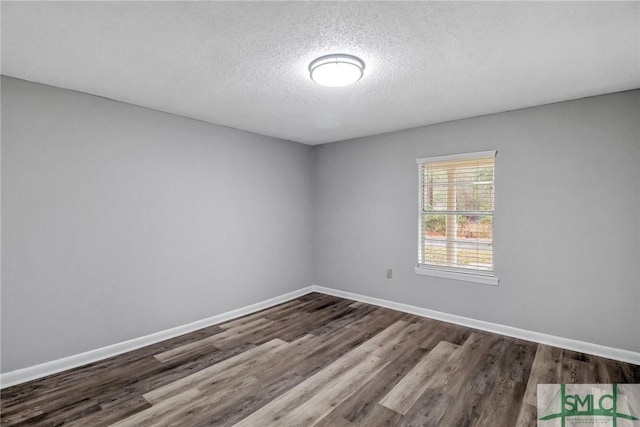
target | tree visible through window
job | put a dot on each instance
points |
(456, 212)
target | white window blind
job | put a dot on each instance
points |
(456, 213)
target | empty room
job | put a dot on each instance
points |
(314, 213)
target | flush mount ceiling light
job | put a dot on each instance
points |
(336, 70)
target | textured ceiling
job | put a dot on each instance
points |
(244, 64)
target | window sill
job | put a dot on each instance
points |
(465, 277)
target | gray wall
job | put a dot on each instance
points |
(567, 235)
(118, 221)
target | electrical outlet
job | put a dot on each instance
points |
(389, 273)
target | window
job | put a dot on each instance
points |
(456, 217)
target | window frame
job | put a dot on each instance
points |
(478, 276)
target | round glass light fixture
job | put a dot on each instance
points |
(336, 70)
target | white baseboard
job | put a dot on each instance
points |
(48, 368)
(567, 343)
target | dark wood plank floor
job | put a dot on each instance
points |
(317, 360)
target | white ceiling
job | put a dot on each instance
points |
(244, 64)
